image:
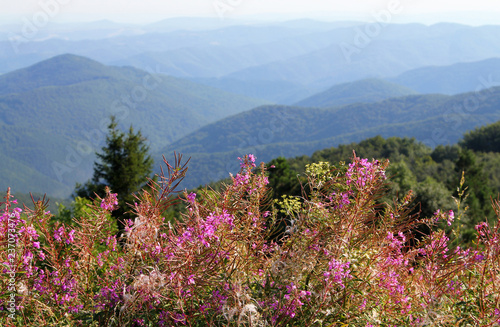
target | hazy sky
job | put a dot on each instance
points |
(140, 11)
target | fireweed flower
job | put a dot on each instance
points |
(247, 162)
(437, 214)
(337, 272)
(58, 233)
(251, 157)
(362, 171)
(244, 177)
(70, 237)
(27, 257)
(482, 228)
(451, 217)
(385, 283)
(109, 202)
(342, 199)
(30, 231)
(109, 297)
(210, 225)
(191, 197)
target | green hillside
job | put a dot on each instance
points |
(272, 131)
(54, 117)
(367, 90)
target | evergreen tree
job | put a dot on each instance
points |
(124, 166)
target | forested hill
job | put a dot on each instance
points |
(53, 117)
(271, 131)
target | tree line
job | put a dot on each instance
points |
(432, 175)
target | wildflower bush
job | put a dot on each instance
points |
(342, 257)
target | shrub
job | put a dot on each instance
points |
(343, 259)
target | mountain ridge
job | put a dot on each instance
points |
(365, 90)
(59, 120)
(452, 79)
(272, 131)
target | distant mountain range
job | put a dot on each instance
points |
(453, 79)
(352, 55)
(54, 115)
(367, 90)
(55, 112)
(216, 90)
(281, 62)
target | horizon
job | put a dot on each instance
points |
(480, 12)
(269, 18)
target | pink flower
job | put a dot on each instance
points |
(361, 172)
(70, 237)
(58, 234)
(247, 161)
(27, 257)
(337, 272)
(110, 202)
(451, 217)
(191, 197)
(437, 214)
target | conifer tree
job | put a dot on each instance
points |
(124, 165)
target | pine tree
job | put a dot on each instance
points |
(124, 166)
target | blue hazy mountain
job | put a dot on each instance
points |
(367, 90)
(452, 79)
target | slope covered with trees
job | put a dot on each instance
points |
(272, 131)
(55, 114)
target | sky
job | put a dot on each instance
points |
(477, 12)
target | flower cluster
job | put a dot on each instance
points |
(245, 176)
(336, 256)
(362, 172)
(110, 202)
(337, 272)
